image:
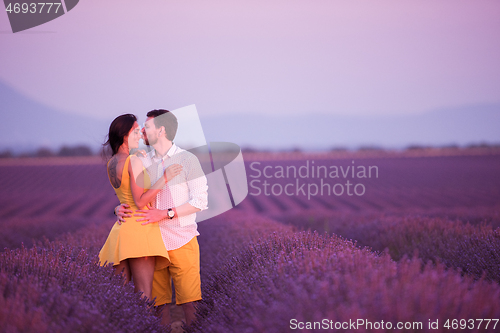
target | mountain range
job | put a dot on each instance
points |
(27, 124)
(461, 126)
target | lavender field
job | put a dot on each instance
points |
(402, 244)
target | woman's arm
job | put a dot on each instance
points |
(136, 173)
(198, 196)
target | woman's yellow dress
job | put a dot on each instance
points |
(131, 239)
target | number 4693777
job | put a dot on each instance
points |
(33, 8)
(470, 324)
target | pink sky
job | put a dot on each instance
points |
(280, 57)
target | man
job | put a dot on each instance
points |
(175, 210)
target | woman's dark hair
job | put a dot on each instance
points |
(119, 129)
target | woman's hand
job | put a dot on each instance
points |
(122, 212)
(140, 152)
(172, 171)
(150, 215)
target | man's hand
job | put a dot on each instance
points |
(150, 215)
(122, 212)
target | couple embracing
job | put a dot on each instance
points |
(154, 242)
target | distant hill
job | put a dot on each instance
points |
(460, 126)
(27, 125)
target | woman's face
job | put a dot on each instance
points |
(134, 136)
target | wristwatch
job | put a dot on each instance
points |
(170, 213)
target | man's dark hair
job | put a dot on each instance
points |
(166, 119)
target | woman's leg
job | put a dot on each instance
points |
(123, 267)
(142, 270)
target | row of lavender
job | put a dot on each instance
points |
(258, 276)
(392, 183)
(420, 209)
(254, 280)
(374, 185)
(58, 286)
(47, 200)
(307, 281)
(472, 248)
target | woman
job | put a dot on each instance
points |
(133, 248)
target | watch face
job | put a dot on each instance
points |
(171, 213)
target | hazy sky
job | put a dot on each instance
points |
(108, 57)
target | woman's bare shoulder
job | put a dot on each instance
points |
(135, 161)
(136, 167)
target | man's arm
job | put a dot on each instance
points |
(122, 211)
(152, 215)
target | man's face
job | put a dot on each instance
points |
(150, 132)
